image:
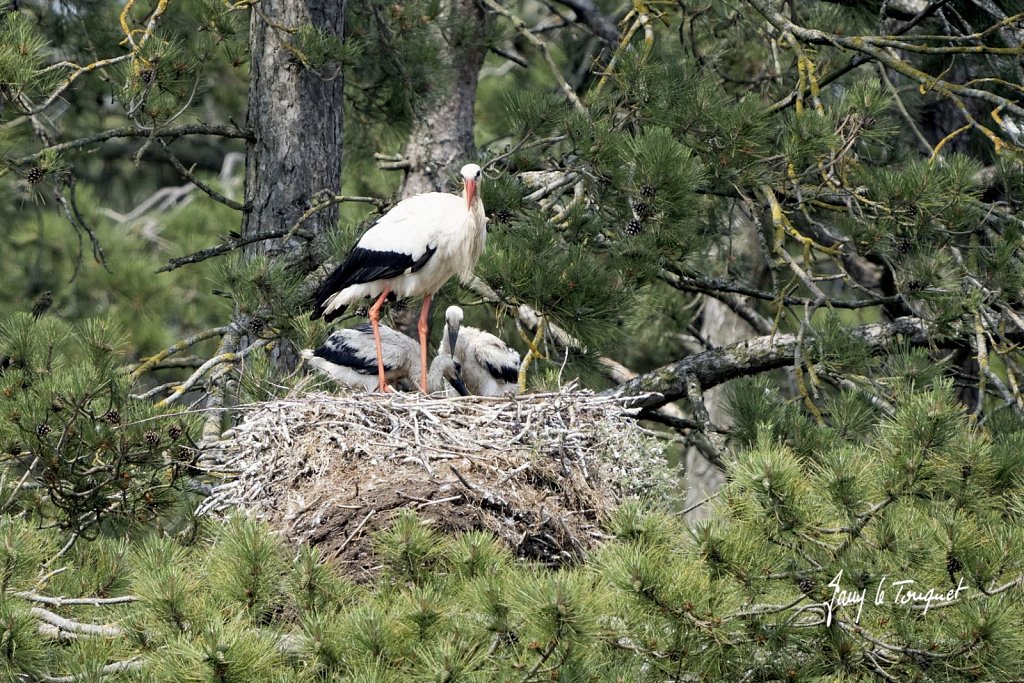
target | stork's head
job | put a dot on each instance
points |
(453, 319)
(471, 174)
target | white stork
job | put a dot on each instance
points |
(348, 357)
(490, 367)
(411, 250)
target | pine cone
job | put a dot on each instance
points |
(151, 438)
(643, 209)
(256, 326)
(806, 584)
(952, 565)
(42, 304)
(35, 175)
(146, 75)
(904, 246)
(634, 227)
(966, 471)
(174, 431)
(502, 216)
(113, 416)
(923, 661)
(646, 191)
(14, 448)
(42, 430)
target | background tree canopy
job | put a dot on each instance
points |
(787, 230)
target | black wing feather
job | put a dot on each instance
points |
(336, 351)
(365, 265)
(506, 373)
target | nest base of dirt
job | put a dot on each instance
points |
(542, 471)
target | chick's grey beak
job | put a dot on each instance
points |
(453, 337)
(456, 382)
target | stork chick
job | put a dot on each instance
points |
(348, 357)
(412, 250)
(490, 367)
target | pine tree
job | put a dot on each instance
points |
(841, 178)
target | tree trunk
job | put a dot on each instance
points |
(296, 115)
(721, 327)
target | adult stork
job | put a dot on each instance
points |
(349, 357)
(490, 367)
(411, 250)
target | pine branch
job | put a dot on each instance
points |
(210, 192)
(226, 356)
(752, 357)
(856, 61)
(716, 287)
(115, 667)
(878, 48)
(61, 602)
(541, 46)
(62, 625)
(588, 14)
(153, 360)
(548, 651)
(141, 132)
(229, 245)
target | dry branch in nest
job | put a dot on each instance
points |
(540, 471)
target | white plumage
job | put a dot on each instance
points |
(349, 357)
(411, 250)
(490, 367)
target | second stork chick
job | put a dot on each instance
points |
(490, 367)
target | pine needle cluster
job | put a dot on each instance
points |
(78, 453)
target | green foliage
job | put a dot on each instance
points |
(872, 472)
(22, 649)
(69, 425)
(836, 349)
(409, 548)
(316, 49)
(246, 569)
(22, 54)
(656, 600)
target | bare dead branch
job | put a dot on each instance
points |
(229, 245)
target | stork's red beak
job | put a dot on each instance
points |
(470, 191)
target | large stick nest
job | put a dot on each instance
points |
(541, 471)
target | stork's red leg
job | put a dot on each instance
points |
(424, 315)
(375, 324)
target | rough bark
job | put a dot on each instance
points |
(295, 114)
